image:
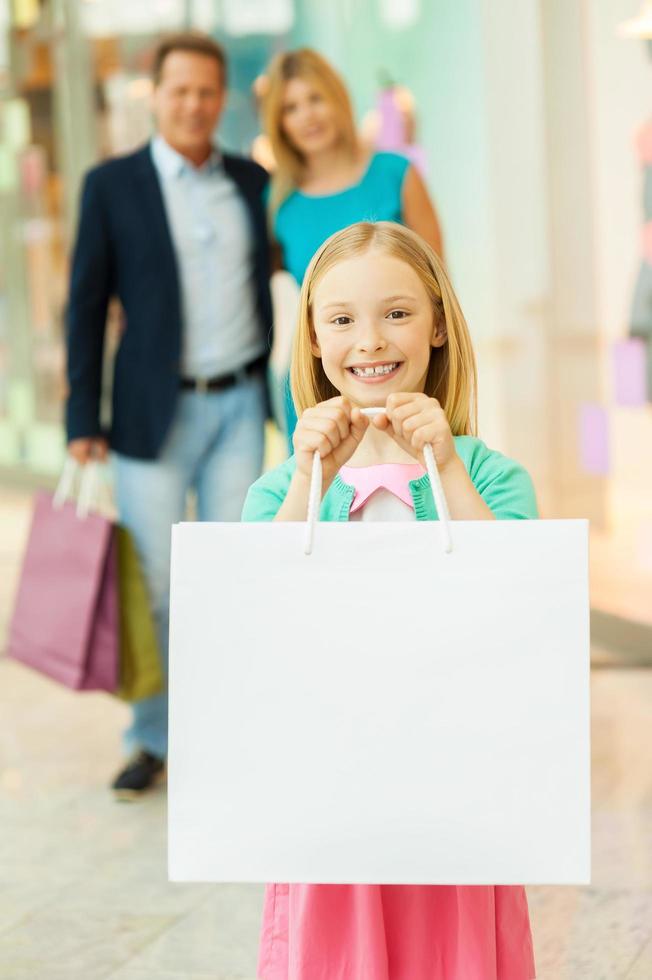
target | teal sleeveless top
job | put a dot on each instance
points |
(303, 221)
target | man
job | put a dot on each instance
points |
(176, 231)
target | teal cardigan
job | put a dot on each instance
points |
(504, 485)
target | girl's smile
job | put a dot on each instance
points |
(375, 372)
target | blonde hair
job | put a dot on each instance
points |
(452, 375)
(311, 66)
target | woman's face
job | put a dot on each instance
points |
(373, 328)
(308, 118)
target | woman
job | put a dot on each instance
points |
(325, 179)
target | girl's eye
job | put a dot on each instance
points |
(397, 314)
(341, 321)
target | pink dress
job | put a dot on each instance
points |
(394, 932)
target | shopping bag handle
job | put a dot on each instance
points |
(314, 497)
(88, 487)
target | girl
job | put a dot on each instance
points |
(379, 325)
(324, 178)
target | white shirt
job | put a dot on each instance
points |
(213, 242)
(383, 505)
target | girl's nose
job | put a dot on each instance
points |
(371, 340)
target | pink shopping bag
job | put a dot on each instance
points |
(65, 622)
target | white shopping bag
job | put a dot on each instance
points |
(380, 710)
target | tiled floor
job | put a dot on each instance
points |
(83, 889)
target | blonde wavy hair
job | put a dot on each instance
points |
(306, 64)
(452, 373)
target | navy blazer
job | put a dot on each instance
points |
(124, 248)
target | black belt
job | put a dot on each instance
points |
(224, 380)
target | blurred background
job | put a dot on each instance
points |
(532, 123)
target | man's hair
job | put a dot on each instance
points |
(190, 41)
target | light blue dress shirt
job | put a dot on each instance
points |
(213, 242)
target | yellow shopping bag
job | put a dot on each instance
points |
(140, 662)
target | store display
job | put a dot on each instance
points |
(392, 125)
(594, 439)
(629, 371)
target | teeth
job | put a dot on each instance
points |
(370, 372)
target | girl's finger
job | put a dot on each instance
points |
(341, 417)
(313, 442)
(359, 425)
(313, 433)
(337, 400)
(359, 422)
(380, 422)
(401, 416)
(340, 414)
(398, 398)
(431, 433)
(429, 417)
(329, 407)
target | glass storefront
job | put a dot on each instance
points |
(75, 89)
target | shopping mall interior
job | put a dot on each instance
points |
(531, 123)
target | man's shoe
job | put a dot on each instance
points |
(141, 772)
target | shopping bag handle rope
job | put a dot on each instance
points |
(88, 488)
(314, 497)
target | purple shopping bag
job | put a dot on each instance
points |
(65, 622)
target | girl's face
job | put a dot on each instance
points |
(373, 328)
(308, 118)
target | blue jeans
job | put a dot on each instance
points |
(214, 447)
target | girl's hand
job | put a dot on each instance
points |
(334, 430)
(414, 419)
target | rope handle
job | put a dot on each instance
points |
(314, 496)
(88, 497)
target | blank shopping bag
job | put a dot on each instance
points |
(380, 710)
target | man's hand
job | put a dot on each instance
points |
(84, 451)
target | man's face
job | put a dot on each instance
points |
(188, 101)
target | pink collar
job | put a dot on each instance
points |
(394, 477)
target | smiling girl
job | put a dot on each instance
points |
(379, 325)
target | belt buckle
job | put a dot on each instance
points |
(201, 385)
